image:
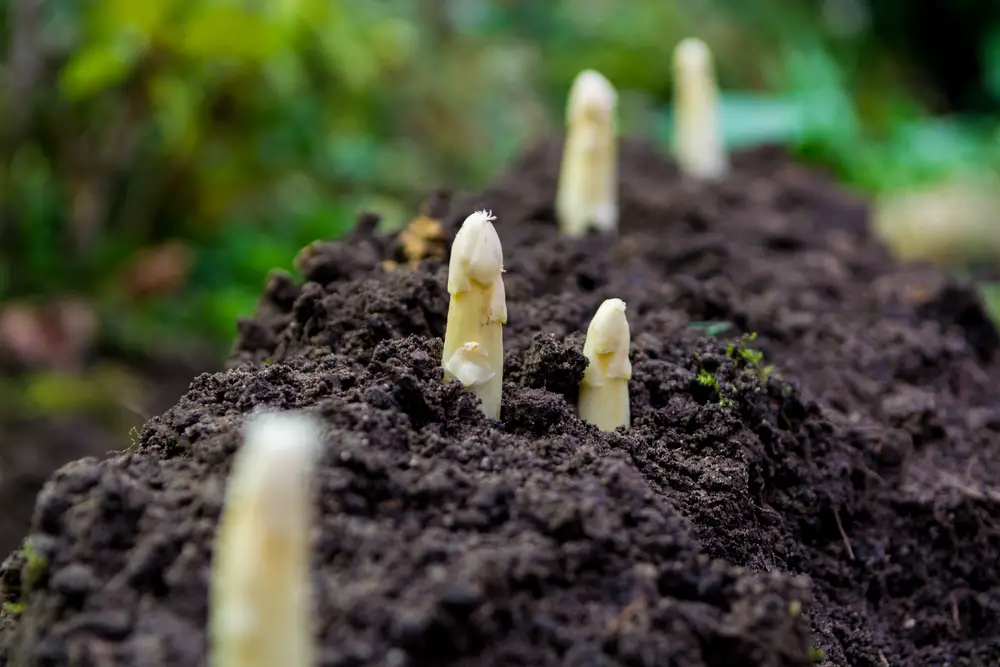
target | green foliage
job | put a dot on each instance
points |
(32, 572)
(706, 379)
(747, 358)
(35, 566)
(711, 328)
(246, 130)
(98, 392)
(14, 608)
(991, 295)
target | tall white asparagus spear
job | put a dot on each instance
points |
(698, 144)
(604, 398)
(260, 612)
(587, 196)
(473, 339)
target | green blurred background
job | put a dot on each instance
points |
(162, 155)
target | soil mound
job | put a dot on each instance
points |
(822, 493)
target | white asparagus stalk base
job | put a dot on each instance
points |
(260, 612)
(604, 399)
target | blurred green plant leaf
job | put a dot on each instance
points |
(815, 82)
(747, 120)
(100, 390)
(254, 128)
(991, 294)
(223, 31)
(101, 66)
(175, 101)
(712, 328)
(991, 64)
(148, 17)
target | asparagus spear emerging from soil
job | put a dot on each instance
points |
(259, 609)
(604, 390)
(697, 135)
(473, 339)
(587, 197)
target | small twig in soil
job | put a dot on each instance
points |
(949, 480)
(843, 535)
(881, 657)
(627, 613)
(954, 612)
(859, 461)
(135, 408)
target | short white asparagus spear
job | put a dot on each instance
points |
(698, 144)
(260, 612)
(604, 398)
(587, 196)
(473, 339)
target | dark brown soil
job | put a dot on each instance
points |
(840, 509)
(33, 447)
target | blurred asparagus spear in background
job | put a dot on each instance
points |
(951, 222)
(260, 611)
(473, 339)
(604, 399)
(698, 144)
(587, 196)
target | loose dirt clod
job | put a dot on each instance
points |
(718, 530)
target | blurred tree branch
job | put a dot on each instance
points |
(26, 60)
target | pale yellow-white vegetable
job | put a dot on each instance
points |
(698, 144)
(473, 339)
(604, 389)
(260, 607)
(587, 195)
